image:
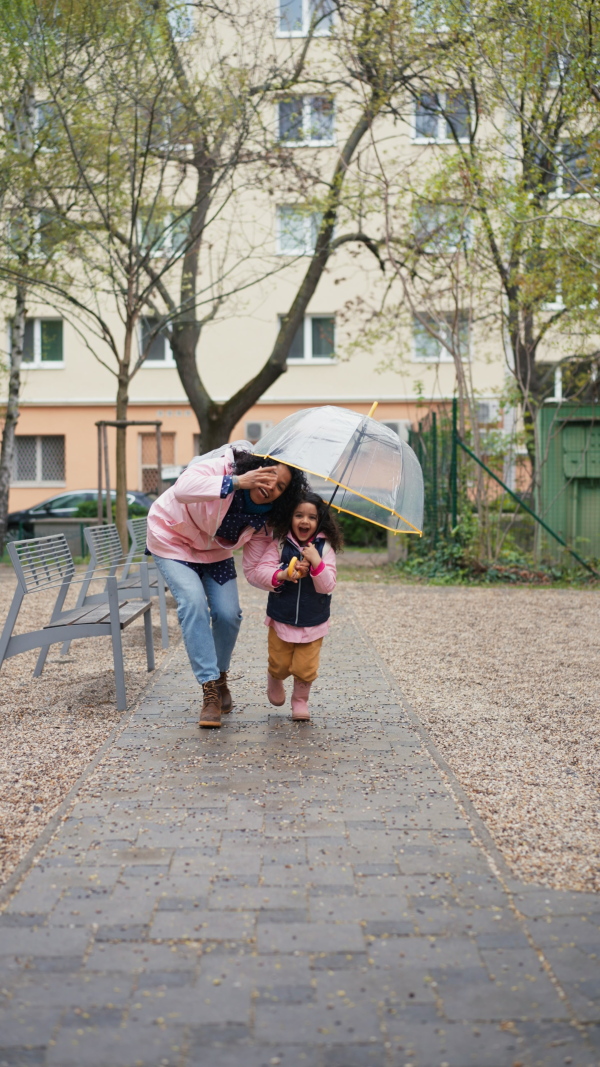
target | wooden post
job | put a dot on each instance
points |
(99, 512)
(107, 475)
(159, 484)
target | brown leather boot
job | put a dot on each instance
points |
(210, 716)
(226, 701)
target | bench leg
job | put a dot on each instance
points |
(117, 644)
(149, 639)
(41, 661)
(162, 606)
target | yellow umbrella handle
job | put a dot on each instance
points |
(372, 409)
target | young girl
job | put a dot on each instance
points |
(298, 606)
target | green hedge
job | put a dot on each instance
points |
(89, 510)
(360, 534)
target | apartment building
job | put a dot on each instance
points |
(67, 390)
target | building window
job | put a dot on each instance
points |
(43, 342)
(573, 172)
(297, 231)
(165, 235)
(297, 16)
(154, 345)
(439, 228)
(433, 16)
(451, 330)
(314, 340)
(442, 117)
(39, 460)
(306, 120)
(181, 20)
(149, 462)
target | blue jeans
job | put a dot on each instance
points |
(209, 615)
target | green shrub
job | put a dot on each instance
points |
(89, 510)
(360, 534)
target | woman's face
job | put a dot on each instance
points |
(279, 477)
(304, 522)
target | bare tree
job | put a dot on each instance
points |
(371, 61)
(31, 179)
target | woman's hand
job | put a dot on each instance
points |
(311, 554)
(283, 576)
(261, 478)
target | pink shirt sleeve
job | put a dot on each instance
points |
(197, 483)
(260, 561)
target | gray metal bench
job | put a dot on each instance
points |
(106, 559)
(138, 530)
(45, 563)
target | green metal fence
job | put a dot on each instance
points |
(483, 492)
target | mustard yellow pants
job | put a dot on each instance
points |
(286, 657)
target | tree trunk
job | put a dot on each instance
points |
(121, 451)
(216, 421)
(12, 408)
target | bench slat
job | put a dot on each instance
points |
(129, 610)
(135, 582)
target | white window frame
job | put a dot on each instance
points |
(36, 363)
(440, 27)
(441, 136)
(311, 224)
(181, 20)
(466, 235)
(444, 356)
(156, 364)
(166, 249)
(558, 193)
(308, 358)
(59, 484)
(324, 30)
(309, 142)
(38, 124)
(558, 303)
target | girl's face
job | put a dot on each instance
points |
(304, 522)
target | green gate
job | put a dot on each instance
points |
(569, 477)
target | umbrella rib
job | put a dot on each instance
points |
(341, 485)
(382, 526)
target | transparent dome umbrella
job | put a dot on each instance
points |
(357, 464)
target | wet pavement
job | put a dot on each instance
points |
(288, 894)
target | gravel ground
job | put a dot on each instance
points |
(508, 683)
(51, 726)
(506, 680)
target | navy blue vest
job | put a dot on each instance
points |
(298, 603)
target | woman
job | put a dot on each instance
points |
(215, 507)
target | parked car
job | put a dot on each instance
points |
(67, 506)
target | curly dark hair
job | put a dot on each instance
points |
(328, 523)
(280, 516)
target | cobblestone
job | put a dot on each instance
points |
(284, 895)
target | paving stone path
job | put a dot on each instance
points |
(279, 894)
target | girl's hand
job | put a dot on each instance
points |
(310, 553)
(302, 568)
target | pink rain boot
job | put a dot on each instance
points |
(275, 691)
(300, 695)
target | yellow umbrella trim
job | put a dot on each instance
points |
(325, 478)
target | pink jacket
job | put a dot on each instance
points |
(260, 569)
(183, 522)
